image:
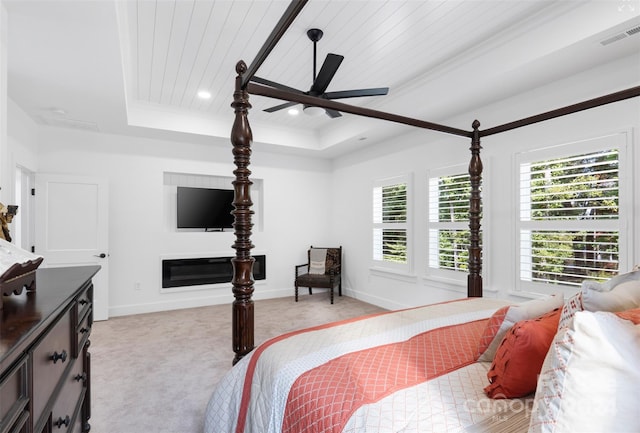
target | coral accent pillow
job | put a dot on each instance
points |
(590, 380)
(631, 315)
(492, 329)
(515, 368)
(503, 319)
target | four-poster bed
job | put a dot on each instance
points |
(474, 313)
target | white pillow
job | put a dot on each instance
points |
(624, 296)
(515, 313)
(611, 283)
(590, 380)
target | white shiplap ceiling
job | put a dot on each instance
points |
(136, 66)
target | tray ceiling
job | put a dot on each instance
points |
(136, 67)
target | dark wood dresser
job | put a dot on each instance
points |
(45, 365)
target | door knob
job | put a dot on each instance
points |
(101, 255)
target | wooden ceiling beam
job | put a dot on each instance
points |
(278, 31)
(569, 109)
(271, 92)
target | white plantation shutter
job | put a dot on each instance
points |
(449, 219)
(570, 219)
(577, 187)
(390, 222)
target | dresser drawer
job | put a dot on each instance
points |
(13, 395)
(84, 302)
(51, 356)
(21, 425)
(83, 330)
(77, 426)
(66, 409)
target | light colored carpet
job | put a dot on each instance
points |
(153, 373)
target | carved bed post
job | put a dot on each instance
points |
(241, 138)
(474, 279)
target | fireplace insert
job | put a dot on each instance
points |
(205, 270)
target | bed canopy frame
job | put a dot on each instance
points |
(242, 138)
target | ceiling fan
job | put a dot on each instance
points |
(321, 82)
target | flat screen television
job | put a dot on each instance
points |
(204, 208)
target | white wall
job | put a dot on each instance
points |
(22, 140)
(295, 214)
(5, 165)
(418, 151)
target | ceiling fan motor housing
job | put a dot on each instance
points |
(321, 82)
(315, 34)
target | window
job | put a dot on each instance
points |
(390, 223)
(449, 192)
(571, 213)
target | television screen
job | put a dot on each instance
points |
(204, 208)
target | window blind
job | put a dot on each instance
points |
(390, 218)
(565, 204)
(449, 222)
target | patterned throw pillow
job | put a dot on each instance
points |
(492, 329)
(503, 319)
(570, 308)
(515, 368)
(590, 380)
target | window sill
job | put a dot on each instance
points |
(566, 292)
(393, 274)
(444, 283)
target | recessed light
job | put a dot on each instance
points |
(203, 94)
(293, 111)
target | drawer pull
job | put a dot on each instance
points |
(63, 422)
(83, 301)
(59, 356)
(81, 377)
(84, 330)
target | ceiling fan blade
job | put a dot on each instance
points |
(275, 85)
(328, 70)
(357, 93)
(280, 107)
(333, 113)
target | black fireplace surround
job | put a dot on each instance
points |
(205, 270)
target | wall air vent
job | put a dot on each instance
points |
(69, 123)
(613, 39)
(632, 31)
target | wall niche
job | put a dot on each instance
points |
(172, 180)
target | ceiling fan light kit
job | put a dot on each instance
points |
(310, 110)
(320, 83)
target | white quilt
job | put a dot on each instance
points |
(252, 396)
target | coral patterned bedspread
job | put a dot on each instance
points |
(408, 370)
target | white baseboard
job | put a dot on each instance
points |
(193, 302)
(388, 304)
(227, 298)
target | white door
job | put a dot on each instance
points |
(72, 228)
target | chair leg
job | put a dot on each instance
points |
(332, 296)
(310, 291)
(340, 287)
(296, 293)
